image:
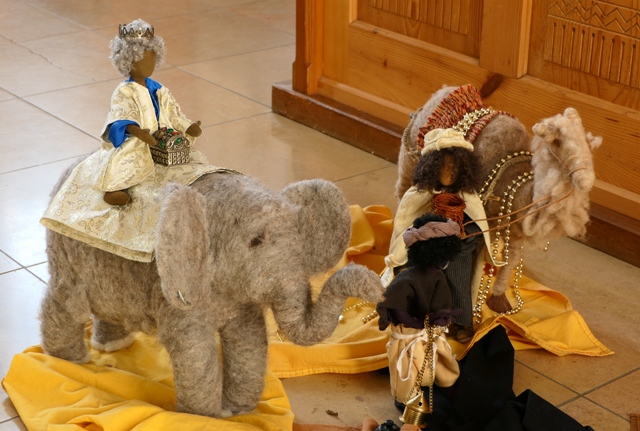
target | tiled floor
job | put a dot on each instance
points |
(223, 56)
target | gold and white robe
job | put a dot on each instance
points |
(78, 209)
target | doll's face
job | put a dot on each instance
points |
(449, 172)
(144, 68)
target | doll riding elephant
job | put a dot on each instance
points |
(226, 249)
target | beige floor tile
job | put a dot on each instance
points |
(13, 425)
(604, 297)
(610, 291)
(580, 373)
(219, 34)
(83, 53)
(29, 73)
(22, 22)
(621, 396)
(7, 409)
(41, 271)
(43, 139)
(279, 151)
(4, 40)
(5, 95)
(251, 75)
(280, 14)
(85, 108)
(96, 15)
(7, 264)
(525, 378)
(352, 396)
(207, 102)
(588, 413)
(24, 196)
(19, 325)
(372, 188)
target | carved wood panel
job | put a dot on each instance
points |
(592, 46)
(451, 24)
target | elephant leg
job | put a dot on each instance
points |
(109, 337)
(62, 331)
(244, 352)
(191, 343)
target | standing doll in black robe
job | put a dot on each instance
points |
(418, 302)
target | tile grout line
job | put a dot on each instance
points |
(34, 274)
(611, 381)
(582, 395)
(362, 173)
(593, 402)
(547, 377)
(9, 419)
(220, 86)
(226, 57)
(78, 157)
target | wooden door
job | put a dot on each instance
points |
(386, 57)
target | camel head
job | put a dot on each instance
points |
(561, 140)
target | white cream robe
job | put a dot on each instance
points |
(78, 209)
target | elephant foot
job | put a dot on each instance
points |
(113, 345)
(83, 360)
(235, 409)
(109, 337)
(225, 413)
(499, 303)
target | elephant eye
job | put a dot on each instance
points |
(256, 241)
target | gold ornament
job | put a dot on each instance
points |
(135, 33)
(365, 319)
(470, 118)
(416, 410)
(418, 407)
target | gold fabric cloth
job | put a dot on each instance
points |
(133, 388)
(79, 211)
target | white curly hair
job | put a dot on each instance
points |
(126, 51)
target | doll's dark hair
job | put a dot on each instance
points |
(426, 175)
(434, 251)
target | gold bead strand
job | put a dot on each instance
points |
(341, 317)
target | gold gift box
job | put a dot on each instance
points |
(172, 147)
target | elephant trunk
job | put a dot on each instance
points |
(304, 322)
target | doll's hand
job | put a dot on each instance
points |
(142, 134)
(194, 129)
(146, 136)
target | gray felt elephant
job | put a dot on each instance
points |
(226, 249)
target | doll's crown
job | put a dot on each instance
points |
(132, 32)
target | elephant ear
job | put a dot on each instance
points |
(324, 223)
(183, 247)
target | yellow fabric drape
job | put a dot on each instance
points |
(546, 321)
(132, 389)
